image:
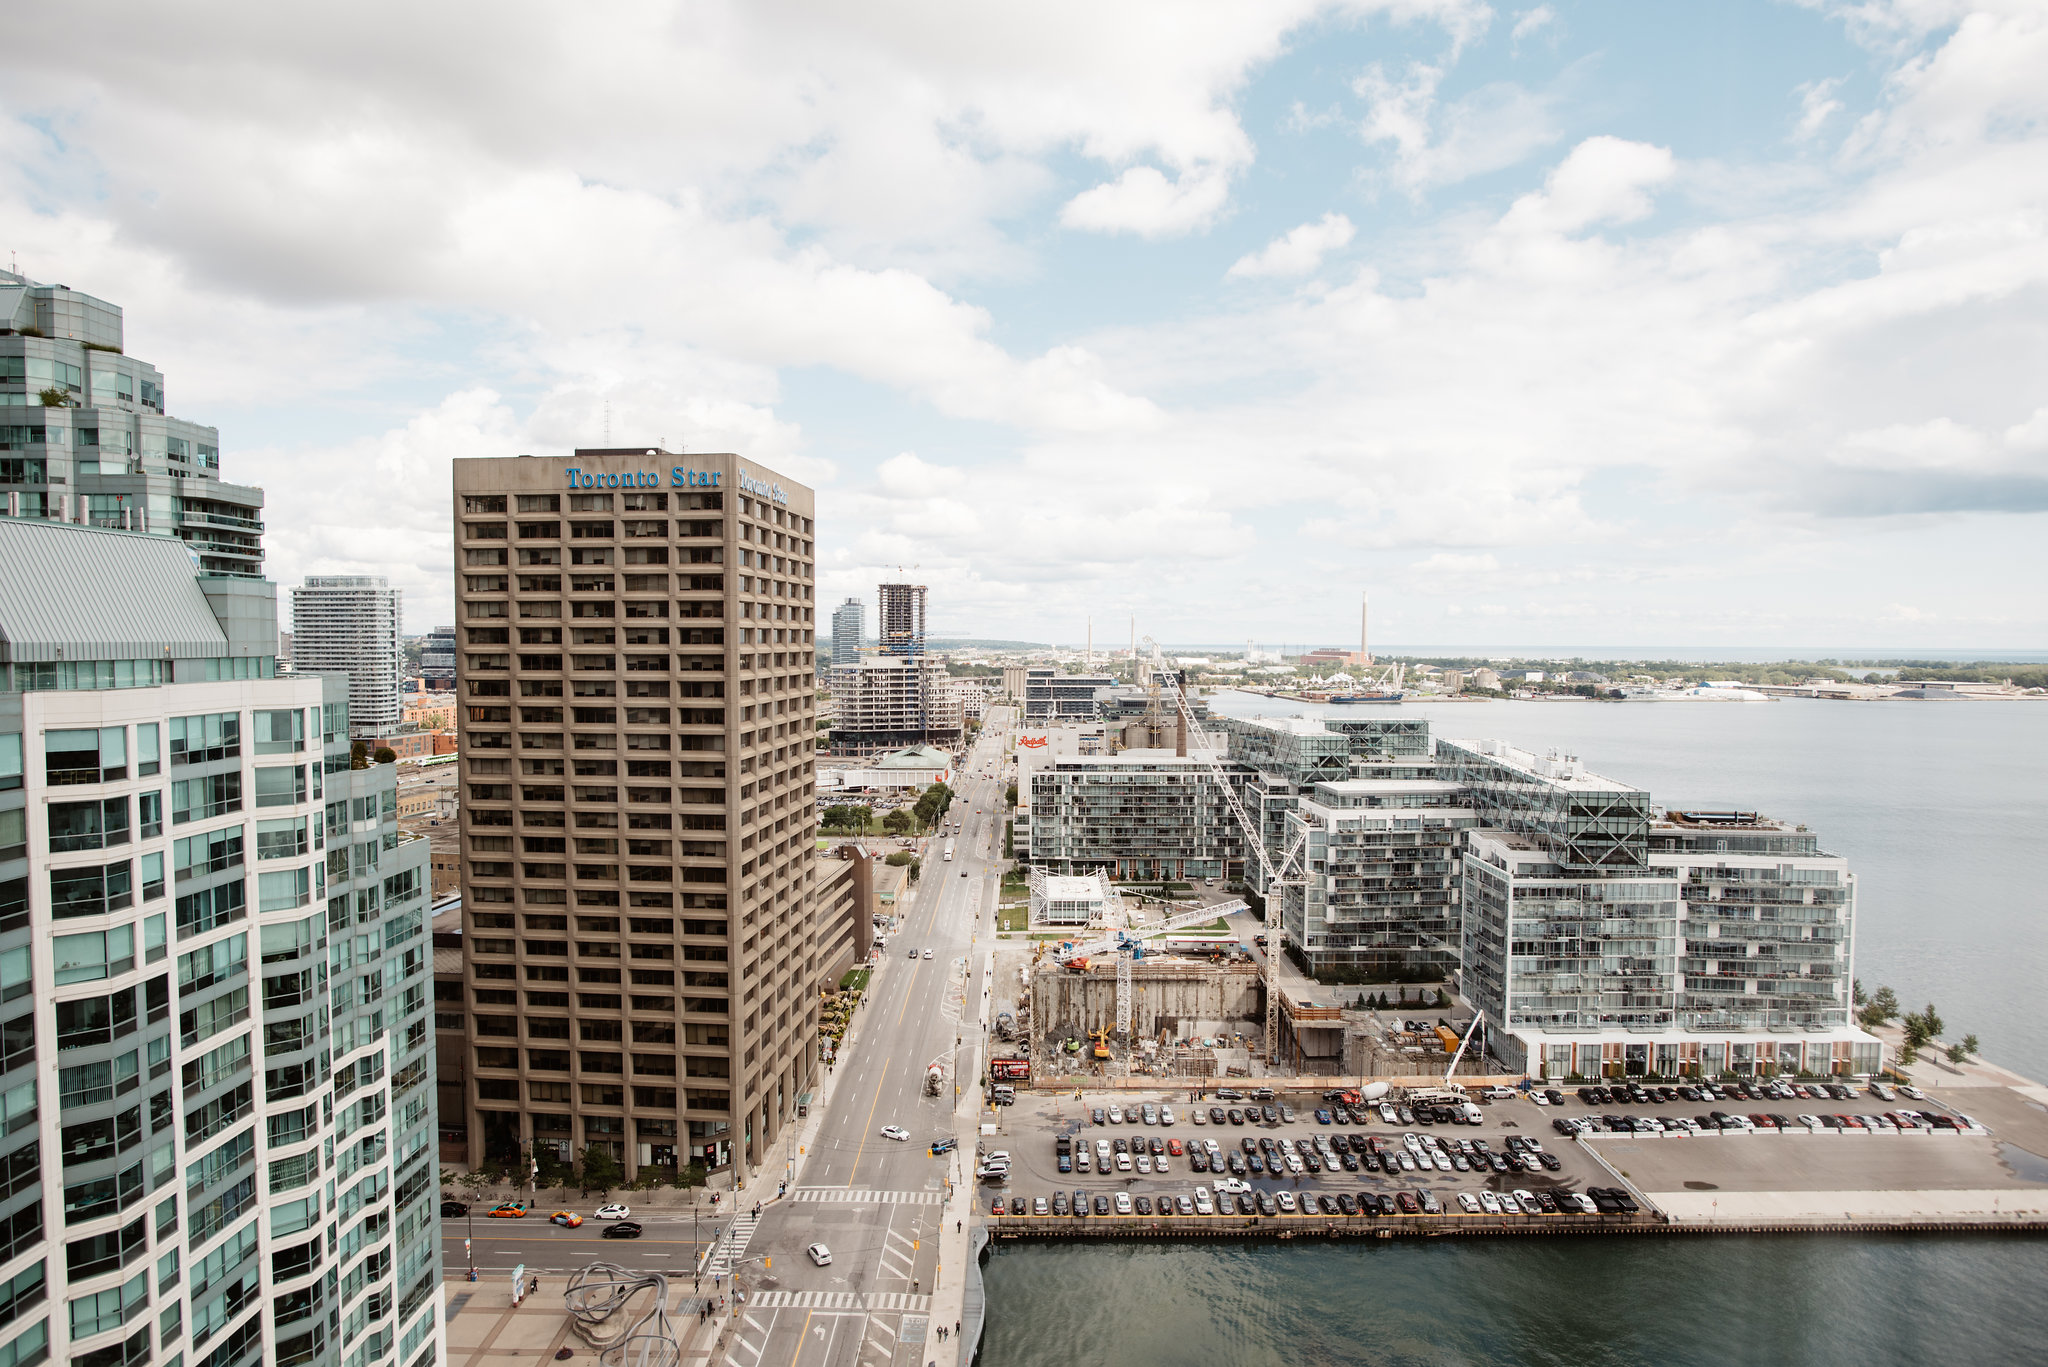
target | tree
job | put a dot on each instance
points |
(1934, 1021)
(53, 397)
(359, 754)
(898, 821)
(1917, 1033)
(1969, 1045)
(915, 865)
(1010, 795)
(1442, 999)
(898, 858)
(474, 1181)
(386, 755)
(1956, 1053)
(601, 1171)
(1856, 991)
(1884, 1006)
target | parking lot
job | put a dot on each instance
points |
(1029, 1131)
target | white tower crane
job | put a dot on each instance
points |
(1277, 876)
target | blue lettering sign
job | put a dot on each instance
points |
(765, 489)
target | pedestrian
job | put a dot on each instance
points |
(956, 1326)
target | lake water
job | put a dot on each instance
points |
(1942, 810)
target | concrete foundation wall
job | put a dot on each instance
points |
(1169, 996)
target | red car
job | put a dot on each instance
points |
(995, 1207)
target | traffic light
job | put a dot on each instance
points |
(767, 1263)
(914, 1244)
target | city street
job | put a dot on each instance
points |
(875, 1202)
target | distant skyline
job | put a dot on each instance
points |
(1542, 321)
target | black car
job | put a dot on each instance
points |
(1349, 1160)
(1080, 1203)
(622, 1229)
(1158, 1146)
(1236, 1116)
(1388, 1206)
(1120, 1144)
(1345, 1204)
(1245, 1204)
(1101, 1205)
(1099, 1116)
(1059, 1204)
(1215, 1115)
(1257, 1164)
(1199, 1160)
(1269, 1115)
(1549, 1161)
(1143, 1204)
(1267, 1205)
(1311, 1162)
(453, 1210)
(1237, 1165)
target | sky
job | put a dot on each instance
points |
(1544, 323)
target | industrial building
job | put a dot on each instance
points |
(218, 1064)
(640, 933)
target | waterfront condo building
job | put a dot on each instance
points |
(640, 941)
(85, 436)
(216, 1062)
(1604, 938)
(348, 624)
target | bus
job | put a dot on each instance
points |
(949, 851)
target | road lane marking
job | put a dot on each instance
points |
(862, 1148)
(800, 1341)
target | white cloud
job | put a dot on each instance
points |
(1531, 20)
(1817, 105)
(1604, 180)
(1297, 252)
(1143, 201)
(1489, 129)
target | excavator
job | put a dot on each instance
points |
(1101, 1038)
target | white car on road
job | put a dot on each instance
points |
(613, 1212)
(895, 1132)
(820, 1255)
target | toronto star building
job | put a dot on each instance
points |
(216, 1057)
(1598, 933)
(636, 668)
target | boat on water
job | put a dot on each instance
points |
(1382, 696)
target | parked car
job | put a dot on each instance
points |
(453, 1210)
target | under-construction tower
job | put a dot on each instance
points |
(902, 619)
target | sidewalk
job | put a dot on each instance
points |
(956, 1241)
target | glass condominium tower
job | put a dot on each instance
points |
(216, 1057)
(85, 437)
(636, 666)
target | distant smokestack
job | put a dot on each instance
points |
(1364, 637)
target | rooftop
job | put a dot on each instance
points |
(1554, 770)
(103, 595)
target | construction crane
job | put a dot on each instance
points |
(1470, 1035)
(1277, 876)
(1127, 945)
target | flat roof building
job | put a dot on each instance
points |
(218, 1071)
(349, 624)
(637, 739)
(848, 629)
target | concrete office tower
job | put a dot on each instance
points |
(638, 708)
(217, 1071)
(901, 619)
(84, 436)
(849, 623)
(348, 624)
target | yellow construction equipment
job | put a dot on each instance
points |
(1101, 1038)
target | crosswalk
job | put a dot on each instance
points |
(870, 1302)
(732, 1245)
(866, 1196)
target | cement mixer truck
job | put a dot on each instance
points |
(934, 1078)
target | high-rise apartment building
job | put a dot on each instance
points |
(890, 701)
(84, 435)
(437, 660)
(216, 1062)
(901, 619)
(638, 711)
(849, 622)
(349, 624)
